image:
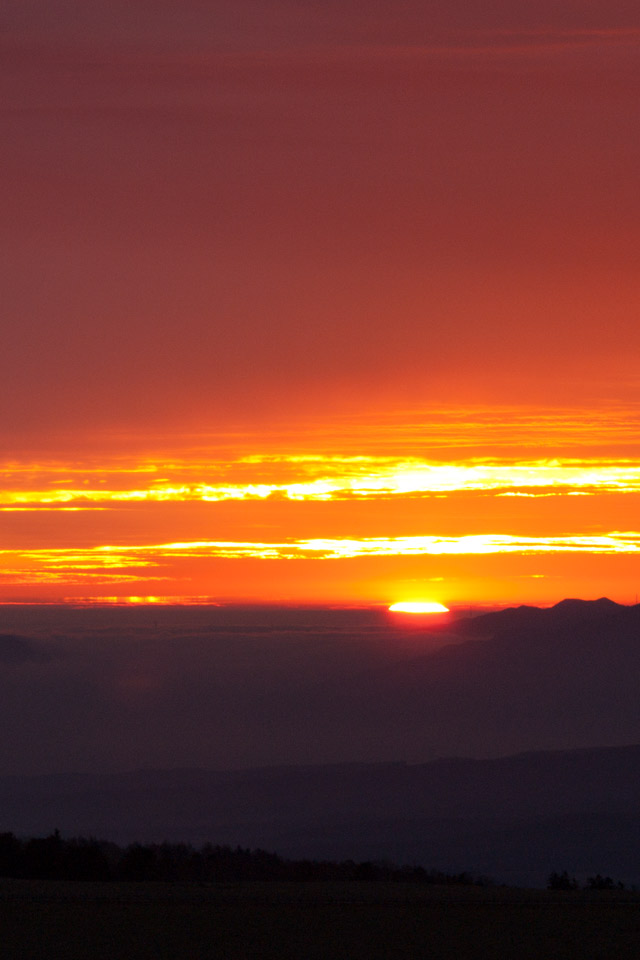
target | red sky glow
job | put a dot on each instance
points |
(311, 304)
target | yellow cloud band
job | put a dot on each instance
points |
(318, 478)
(133, 562)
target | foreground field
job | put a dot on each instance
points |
(280, 921)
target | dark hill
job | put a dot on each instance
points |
(567, 614)
(515, 818)
(528, 679)
(266, 689)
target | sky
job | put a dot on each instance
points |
(320, 302)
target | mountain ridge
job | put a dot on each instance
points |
(515, 818)
(358, 689)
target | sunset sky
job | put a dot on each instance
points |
(320, 302)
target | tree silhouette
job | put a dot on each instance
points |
(561, 881)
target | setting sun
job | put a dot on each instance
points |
(418, 607)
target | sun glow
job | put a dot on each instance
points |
(422, 606)
(420, 497)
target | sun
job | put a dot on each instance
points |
(421, 606)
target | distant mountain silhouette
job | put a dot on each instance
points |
(550, 694)
(15, 649)
(571, 613)
(519, 679)
(354, 687)
(515, 819)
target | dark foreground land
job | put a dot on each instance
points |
(303, 921)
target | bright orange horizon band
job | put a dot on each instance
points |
(184, 523)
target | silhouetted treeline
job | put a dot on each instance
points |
(562, 881)
(56, 858)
